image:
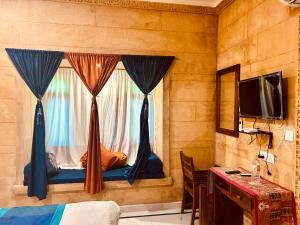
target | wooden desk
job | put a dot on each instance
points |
(234, 195)
(230, 203)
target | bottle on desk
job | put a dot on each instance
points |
(255, 173)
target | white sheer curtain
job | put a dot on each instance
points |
(120, 103)
(67, 109)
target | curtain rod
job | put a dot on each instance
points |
(70, 67)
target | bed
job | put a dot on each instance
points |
(83, 213)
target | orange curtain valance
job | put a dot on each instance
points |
(94, 70)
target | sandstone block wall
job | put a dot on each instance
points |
(54, 25)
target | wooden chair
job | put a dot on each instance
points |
(193, 182)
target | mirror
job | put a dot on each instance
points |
(227, 108)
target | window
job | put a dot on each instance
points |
(67, 109)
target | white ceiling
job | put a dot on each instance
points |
(209, 3)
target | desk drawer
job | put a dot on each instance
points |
(222, 183)
(242, 198)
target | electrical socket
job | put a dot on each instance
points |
(289, 135)
(271, 157)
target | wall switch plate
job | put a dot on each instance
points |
(270, 158)
(289, 135)
(240, 125)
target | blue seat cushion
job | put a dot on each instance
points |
(153, 170)
(68, 176)
(154, 164)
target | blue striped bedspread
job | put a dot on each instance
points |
(32, 215)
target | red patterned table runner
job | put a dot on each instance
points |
(273, 204)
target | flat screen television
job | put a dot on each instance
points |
(261, 97)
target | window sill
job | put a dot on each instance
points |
(109, 185)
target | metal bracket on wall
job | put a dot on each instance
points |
(256, 132)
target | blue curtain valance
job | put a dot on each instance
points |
(146, 72)
(37, 69)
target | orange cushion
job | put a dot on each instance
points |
(122, 159)
(108, 159)
(83, 160)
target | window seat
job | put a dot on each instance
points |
(70, 180)
(78, 176)
(153, 170)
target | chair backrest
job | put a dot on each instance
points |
(188, 170)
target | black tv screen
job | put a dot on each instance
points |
(261, 97)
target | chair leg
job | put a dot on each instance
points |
(183, 201)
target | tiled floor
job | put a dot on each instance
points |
(177, 219)
(154, 214)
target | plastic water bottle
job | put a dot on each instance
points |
(255, 175)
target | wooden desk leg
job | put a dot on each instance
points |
(203, 206)
(226, 211)
(210, 210)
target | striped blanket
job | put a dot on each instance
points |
(43, 215)
(85, 213)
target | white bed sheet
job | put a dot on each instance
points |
(91, 213)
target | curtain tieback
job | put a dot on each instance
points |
(94, 102)
(39, 112)
(146, 109)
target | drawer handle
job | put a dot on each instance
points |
(238, 197)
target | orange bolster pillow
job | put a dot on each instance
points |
(109, 159)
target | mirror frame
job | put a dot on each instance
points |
(236, 70)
